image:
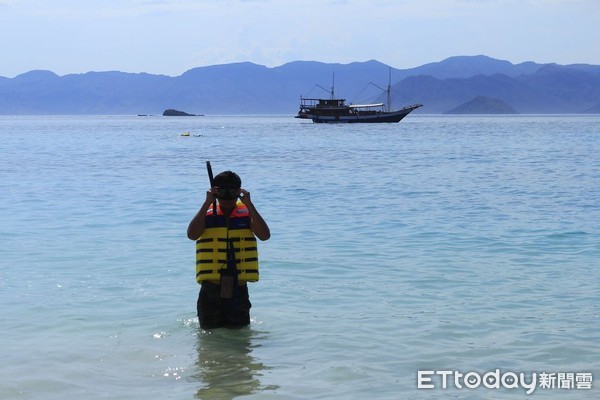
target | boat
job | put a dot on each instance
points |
(335, 110)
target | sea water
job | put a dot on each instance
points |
(442, 243)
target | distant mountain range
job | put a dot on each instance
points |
(451, 85)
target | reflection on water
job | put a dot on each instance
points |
(226, 367)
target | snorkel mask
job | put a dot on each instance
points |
(227, 193)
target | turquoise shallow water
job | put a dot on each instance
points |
(440, 243)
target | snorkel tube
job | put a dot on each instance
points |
(212, 185)
(211, 179)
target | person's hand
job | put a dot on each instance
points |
(245, 197)
(211, 195)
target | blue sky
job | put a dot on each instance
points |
(171, 36)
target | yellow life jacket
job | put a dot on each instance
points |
(211, 247)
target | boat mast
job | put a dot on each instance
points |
(332, 86)
(331, 92)
(389, 91)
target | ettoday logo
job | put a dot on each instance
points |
(508, 380)
(472, 380)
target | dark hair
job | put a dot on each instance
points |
(228, 179)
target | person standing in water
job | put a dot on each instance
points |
(226, 252)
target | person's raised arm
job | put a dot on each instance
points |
(259, 226)
(197, 224)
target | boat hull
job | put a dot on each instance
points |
(380, 117)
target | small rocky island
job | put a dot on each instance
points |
(176, 113)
